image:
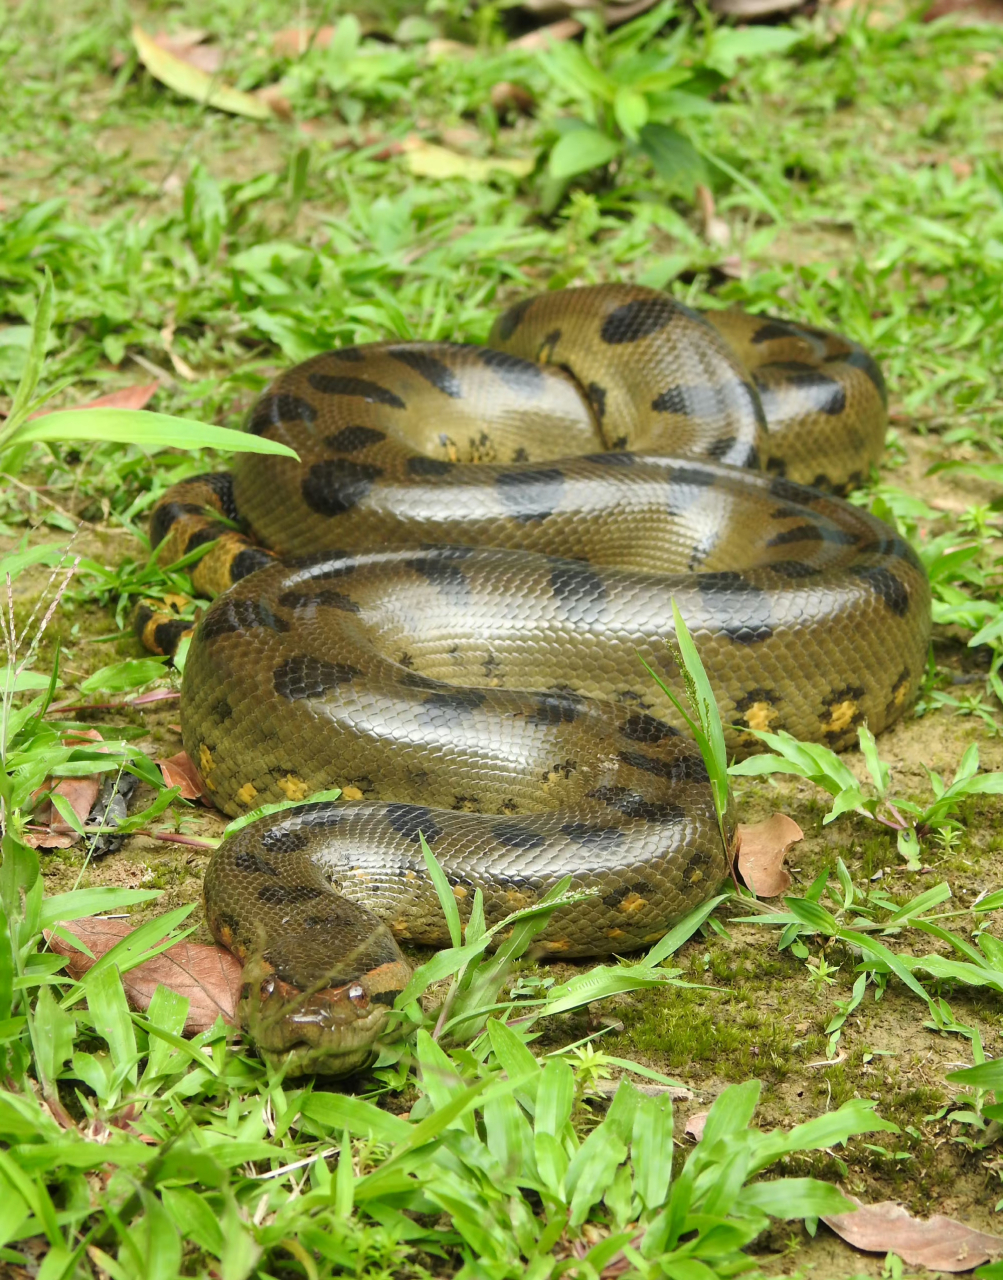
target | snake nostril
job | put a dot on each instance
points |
(357, 995)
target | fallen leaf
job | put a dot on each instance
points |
(273, 97)
(968, 13)
(715, 230)
(763, 847)
(187, 45)
(442, 48)
(938, 1243)
(678, 1093)
(135, 397)
(80, 793)
(427, 160)
(208, 976)
(695, 1125)
(753, 8)
(191, 82)
(179, 771)
(534, 41)
(293, 42)
(507, 97)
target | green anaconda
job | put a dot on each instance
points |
(479, 545)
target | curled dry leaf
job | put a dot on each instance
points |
(534, 41)
(136, 397)
(938, 1243)
(695, 1125)
(761, 854)
(80, 793)
(511, 99)
(426, 160)
(192, 82)
(179, 771)
(209, 977)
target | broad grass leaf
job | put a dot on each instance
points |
(592, 1169)
(813, 915)
(133, 673)
(853, 1117)
(555, 1097)
(793, 1198)
(580, 150)
(108, 1005)
(192, 82)
(508, 1135)
(732, 1111)
(55, 1030)
(147, 430)
(447, 899)
(651, 1150)
(193, 1216)
(135, 397)
(513, 1056)
(682, 932)
(340, 1111)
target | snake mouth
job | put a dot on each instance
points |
(331, 1031)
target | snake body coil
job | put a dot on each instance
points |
(480, 544)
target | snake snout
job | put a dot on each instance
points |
(331, 1031)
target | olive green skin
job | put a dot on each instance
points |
(456, 640)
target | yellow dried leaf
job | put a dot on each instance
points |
(191, 82)
(427, 160)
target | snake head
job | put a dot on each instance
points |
(327, 1031)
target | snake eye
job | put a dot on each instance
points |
(267, 986)
(357, 995)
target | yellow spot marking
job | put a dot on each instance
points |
(399, 928)
(841, 716)
(899, 692)
(174, 601)
(696, 877)
(614, 933)
(633, 902)
(206, 762)
(351, 793)
(653, 937)
(517, 899)
(410, 875)
(760, 716)
(247, 793)
(558, 944)
(294, 788)
(459, 892)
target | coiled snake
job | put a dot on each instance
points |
(480, 544)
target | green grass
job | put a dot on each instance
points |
(857, 167)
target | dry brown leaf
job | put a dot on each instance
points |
(762, 850)
(187, 44)
(968, 13)
(136, 397)
(208, 976)
(938, 1243)
(715, 230)
(566, 29)
(80, 793)
(293, 42)
(695, 1125)
(276, 101)
(179, 771)
(753, 8)
(508, 98)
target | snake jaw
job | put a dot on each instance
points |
(330, 1031)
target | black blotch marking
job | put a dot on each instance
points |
(415, 680)
(793, 569)
(860, 359)
(633, 805)
(167, 635)
(530, 495)
(739, 608)
(451, 707)
(229, 615)
(221, 483)
(773, 329)
(424, 467)
(349, 355)
(579, 590)
(750, 699)
(776, 466)
(435, 371)
(545, 351)
(511, 319)
(322, 813)
(824, 393)
(618, 895)
(444, 571)
(619, 444)
(335, 485)
(893, 546)
(601, 839)
(352, 439)
(642, 727)
(787, 513)
(718, 448)
(597, 399)
(682, 769)
(201, 536)
(742, 453)
(166, 514)
(521, 376)
(788, 491)
(304, 676)
(560, 707)
(249, 561)
(815, 533)
(617, 458)
(286, 895)
(410, 819)
(274, 410)
(884, 583)
(693, 475)
(318, 599)
(284, 840)
(385, 997)
(336, 385)
(515, 836)
(637, 319)
(255, 864)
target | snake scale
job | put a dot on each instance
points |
(478, 545)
